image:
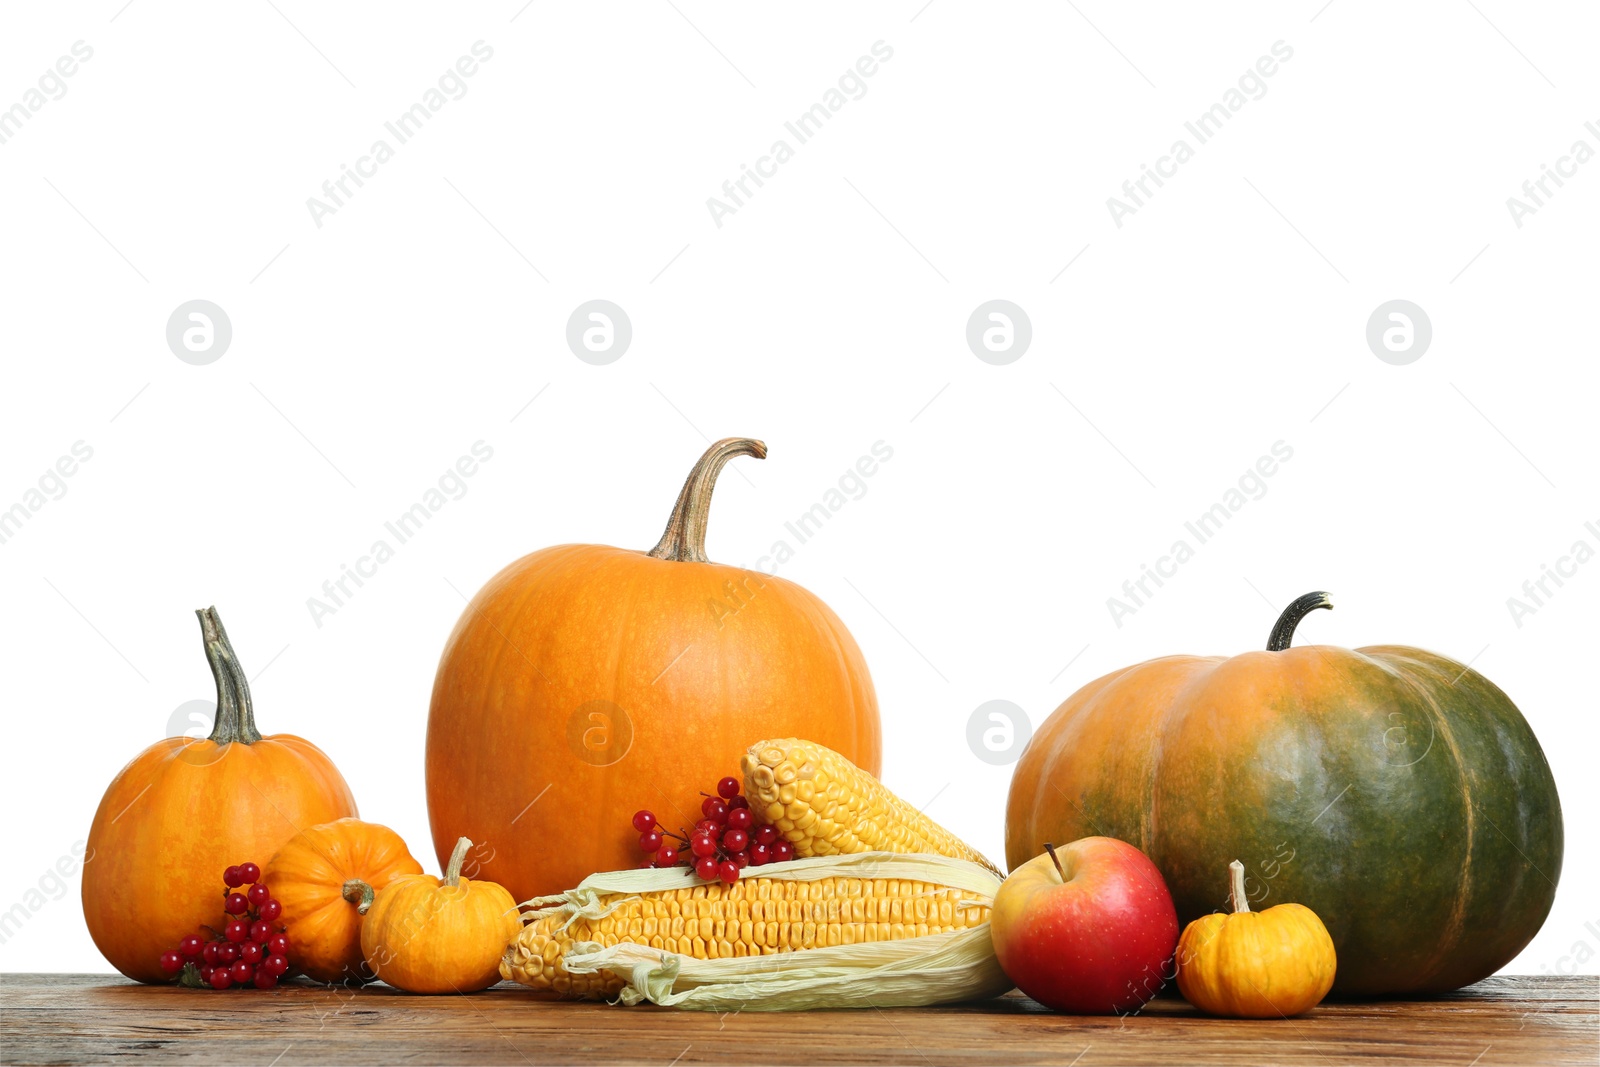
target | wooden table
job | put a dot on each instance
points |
(101, 1018)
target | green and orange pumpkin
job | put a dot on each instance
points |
(1397, 793)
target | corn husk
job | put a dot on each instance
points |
(938, 969)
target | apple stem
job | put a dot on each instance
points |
(1055, 859)
(1236, 893)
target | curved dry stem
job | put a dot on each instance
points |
(684, 539)
(1283, 629)
(236, 717)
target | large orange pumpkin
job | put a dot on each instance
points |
(1397, 793)
(584, 682)
(185, 810)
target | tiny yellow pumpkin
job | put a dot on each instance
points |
(427, 935)
(1255, 964)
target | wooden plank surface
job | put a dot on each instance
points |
(101, 1018)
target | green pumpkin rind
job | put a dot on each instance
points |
(1404, 799)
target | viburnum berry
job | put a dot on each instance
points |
(782, 850)
(728, 872)
(760, 855)
(243, 951)
(724, 834)
(766, 835)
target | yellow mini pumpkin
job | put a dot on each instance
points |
(427, 935)
(1255, 964)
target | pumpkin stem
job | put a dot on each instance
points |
(236, 716)
(1236, 894)
(452, 872)
(684, 539)
(1283, 629)
(360, 894)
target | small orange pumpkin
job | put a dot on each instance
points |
(309, 876)
(184, 811)
(1255, 964)
(426, 935)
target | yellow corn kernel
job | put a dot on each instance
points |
(753, 916)
(824, 805)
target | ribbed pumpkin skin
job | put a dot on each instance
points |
(574, 624)
(1256, 964)
(425, 936)
(307, 876)
(1396, 793)
(178, 816)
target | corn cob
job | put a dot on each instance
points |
(825, 805)
(837, 923)
(752, 917)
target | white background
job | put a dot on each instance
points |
(827, 314)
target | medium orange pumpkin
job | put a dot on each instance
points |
(582, 677)
(314, 877)
(185, 810)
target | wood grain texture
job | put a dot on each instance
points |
(103, 1018)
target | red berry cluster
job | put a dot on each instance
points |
(724, 842)
(251, 949)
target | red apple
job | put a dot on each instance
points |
(1087, 928)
